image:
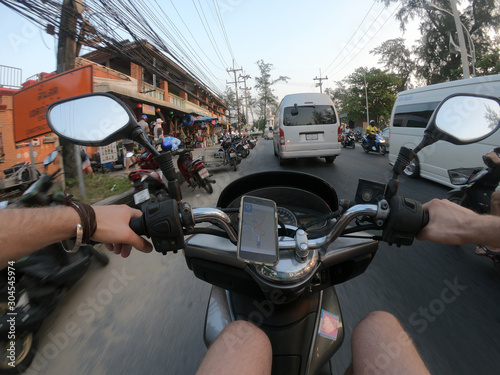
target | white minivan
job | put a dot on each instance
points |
(306, 126)
(410, 114)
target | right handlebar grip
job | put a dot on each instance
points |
(138, 226)
(407, 218)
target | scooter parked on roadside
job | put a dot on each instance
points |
(378, 146)
(477, 186)
(280, 240)
(148, 181)
(194, 171)
(40, 282)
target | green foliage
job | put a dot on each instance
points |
(266, 99)
(396, 58)
(350, 98)
(435, 62)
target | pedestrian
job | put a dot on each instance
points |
(128, 144)
(86, 165)
(156, 131)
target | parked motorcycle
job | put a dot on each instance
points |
(32, 287)
(149, 183)
(379, 144)
(227, 152)
(477, 186)
(348, 140)
(194, 171)
(280, 240)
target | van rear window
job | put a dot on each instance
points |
(309, 115)
(414, 115)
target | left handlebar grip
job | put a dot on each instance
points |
(138, 226)
(425, 219)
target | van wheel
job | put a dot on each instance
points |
(330, 159)
(413, 169)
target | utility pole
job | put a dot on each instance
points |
(236, 86)
(461, 39)
(320, 79)
(366, 96)
(245, 77)
(66, 55)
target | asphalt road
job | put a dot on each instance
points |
(145, 314)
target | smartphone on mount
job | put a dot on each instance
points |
(258, 231)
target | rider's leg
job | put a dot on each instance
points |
(241, 348)
(381, 346)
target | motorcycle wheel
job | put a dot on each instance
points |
(234, 164)
(365, 148)
(382, 150)
(25, 351)
(206, 185)
(353, 145)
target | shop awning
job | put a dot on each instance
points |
(205, 119)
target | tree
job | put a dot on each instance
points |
(382, 89)
(266, 99)
(229, 99)
(435, 63)
(397, 58)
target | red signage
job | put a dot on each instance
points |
(31, 103)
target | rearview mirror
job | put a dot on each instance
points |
(464, 118)
(91, 120)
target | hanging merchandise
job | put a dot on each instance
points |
(188, 120)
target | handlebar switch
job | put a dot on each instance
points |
(406, 219)
(161, 221)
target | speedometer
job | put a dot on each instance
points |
(286, 217)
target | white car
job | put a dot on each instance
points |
(306, 126)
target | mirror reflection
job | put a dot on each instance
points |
(468, 117)
(88, 119)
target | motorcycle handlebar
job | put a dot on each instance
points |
(400, 219)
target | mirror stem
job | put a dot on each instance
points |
(426, 141)
(166, 164)
(164, 161)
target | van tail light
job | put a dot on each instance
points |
(282, 137)
(338, 133)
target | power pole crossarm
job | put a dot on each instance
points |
(320, 79)
(236, 87)
(245, 77)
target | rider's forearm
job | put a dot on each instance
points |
(25, 230)
(485, 230)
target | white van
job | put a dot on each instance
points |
(410, 114)
(306, 126)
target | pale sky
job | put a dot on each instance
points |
(299, 38)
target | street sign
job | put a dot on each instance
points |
(31, 103)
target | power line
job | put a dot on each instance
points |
(369, 40)
(352, 36)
